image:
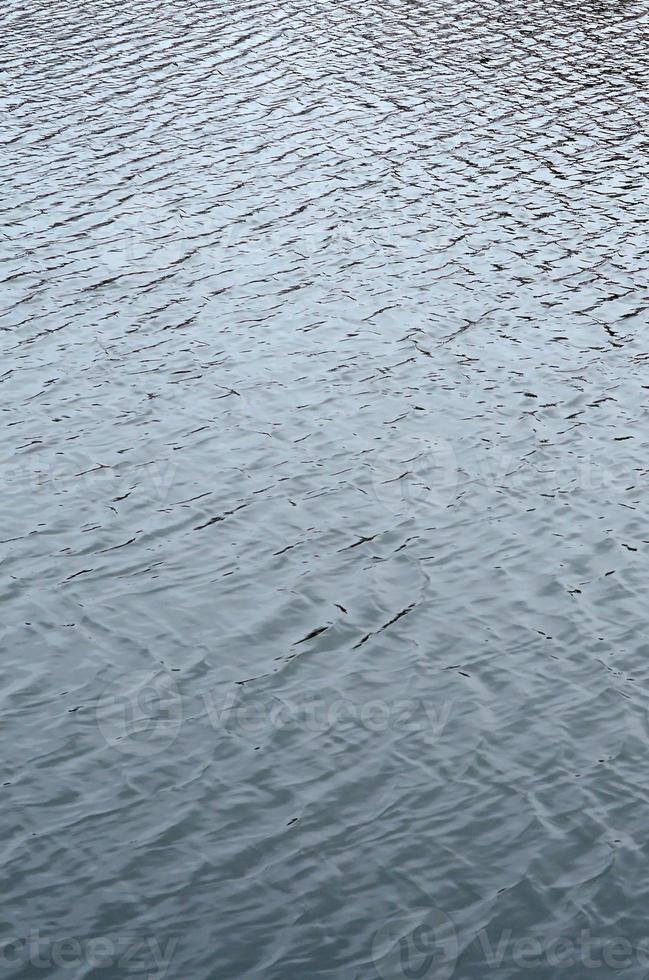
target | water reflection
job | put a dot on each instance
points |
(324, 469)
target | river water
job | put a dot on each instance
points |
(325, 546)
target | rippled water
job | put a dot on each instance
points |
(325, 543)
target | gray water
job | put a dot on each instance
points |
(324, 467)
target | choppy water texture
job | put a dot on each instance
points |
(324, 464)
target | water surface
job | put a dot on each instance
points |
(324, 464)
